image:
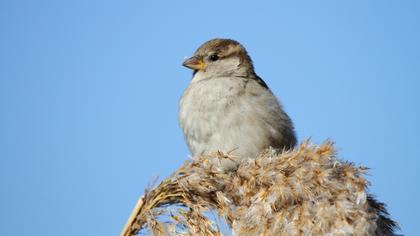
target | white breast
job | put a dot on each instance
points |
(221, 114)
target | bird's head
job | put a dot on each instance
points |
(219, 58)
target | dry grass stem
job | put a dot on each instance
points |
(306, 191)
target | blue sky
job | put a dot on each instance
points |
(89, 96)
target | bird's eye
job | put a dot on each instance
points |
(214, 57)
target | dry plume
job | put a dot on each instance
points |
(306, 191)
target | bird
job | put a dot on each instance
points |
(228, 108)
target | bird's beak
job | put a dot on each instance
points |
(194, 63)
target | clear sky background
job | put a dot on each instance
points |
(89, 96)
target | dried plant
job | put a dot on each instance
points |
(305, 191)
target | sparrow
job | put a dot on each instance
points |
(227, 107)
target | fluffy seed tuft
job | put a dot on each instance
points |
(306, 191)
